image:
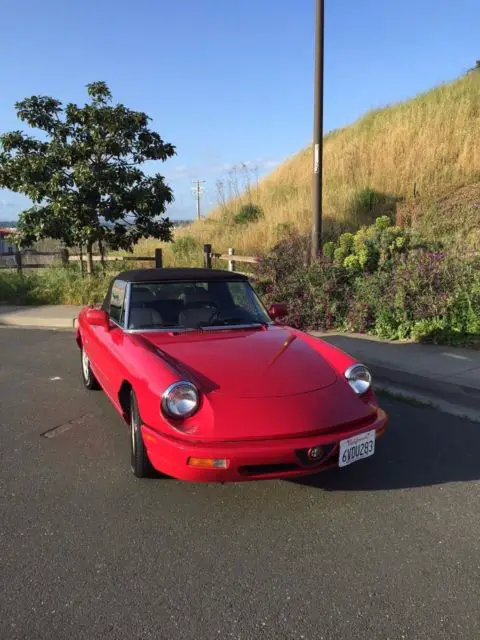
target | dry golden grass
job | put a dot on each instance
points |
(453, 218)
(432, 142)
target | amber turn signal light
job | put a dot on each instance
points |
(208, 463)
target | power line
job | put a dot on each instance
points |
(197, 192)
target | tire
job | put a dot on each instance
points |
(141, 465)
(89, 380)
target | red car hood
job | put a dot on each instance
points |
(257, 363)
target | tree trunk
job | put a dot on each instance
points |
(89, 258)
(82, 266)
(102, 254)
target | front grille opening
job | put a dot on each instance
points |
(264, 469)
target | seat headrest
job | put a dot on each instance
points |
(196, 297)
(144, 318)
(141, 294)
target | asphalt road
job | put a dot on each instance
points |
(387, 548)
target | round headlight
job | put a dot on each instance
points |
(180, 400)
(359, 378)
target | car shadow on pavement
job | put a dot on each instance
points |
(422, 447)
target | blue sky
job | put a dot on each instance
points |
(230, 81)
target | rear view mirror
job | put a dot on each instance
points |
(98, 318)
(278, 311)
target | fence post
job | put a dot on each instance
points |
(231, 263)
(18, 260)
(158, 259)
(207, 256)
(64, 257)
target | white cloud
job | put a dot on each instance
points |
(214, 170)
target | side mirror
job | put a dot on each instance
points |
(98, 318)
(278, 311)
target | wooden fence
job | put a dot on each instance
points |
(232, 259)
(22, 260)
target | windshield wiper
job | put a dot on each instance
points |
(163, 326)
(230, 323)
(233, 321)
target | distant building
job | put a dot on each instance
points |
(6, 243)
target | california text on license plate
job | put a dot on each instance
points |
(356, 448)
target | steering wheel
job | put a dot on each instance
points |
(215, 314)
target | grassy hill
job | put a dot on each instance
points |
(419, 159)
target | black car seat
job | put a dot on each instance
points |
(168, 304)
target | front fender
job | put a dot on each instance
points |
(149, 374)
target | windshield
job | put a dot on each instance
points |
(194, 305)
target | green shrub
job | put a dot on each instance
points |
(346, 241)
(339, 255)
(368, 204)
(428, 330)
(185, 245)
(248, 213)
(329, 250)
(371, 246)
(382, 281)
(280, 268)
(367, 201)
(187, 252)
(352, 264)
(53, 286)
(382, 223)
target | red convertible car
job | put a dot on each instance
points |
(215, 388)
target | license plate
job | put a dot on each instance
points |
(356, 448)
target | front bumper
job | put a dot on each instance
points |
(250, 459)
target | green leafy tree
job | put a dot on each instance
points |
(84, 174)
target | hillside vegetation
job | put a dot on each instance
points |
(407, 160)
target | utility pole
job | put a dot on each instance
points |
(197, 192)
(317, 185)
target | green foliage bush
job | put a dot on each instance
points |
(370, 247)
(185, 245)
(329, 250)
(187, 252)
(248, 213)
(54, 286)
(368, 204)
(381, 280)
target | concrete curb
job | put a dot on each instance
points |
(438, 385)
(450, 398)
(456, 400)
(38, 323)
(29, 327)
(448, 392)
(39, 317)
(413, 396)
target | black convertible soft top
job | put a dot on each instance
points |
(178, 275)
